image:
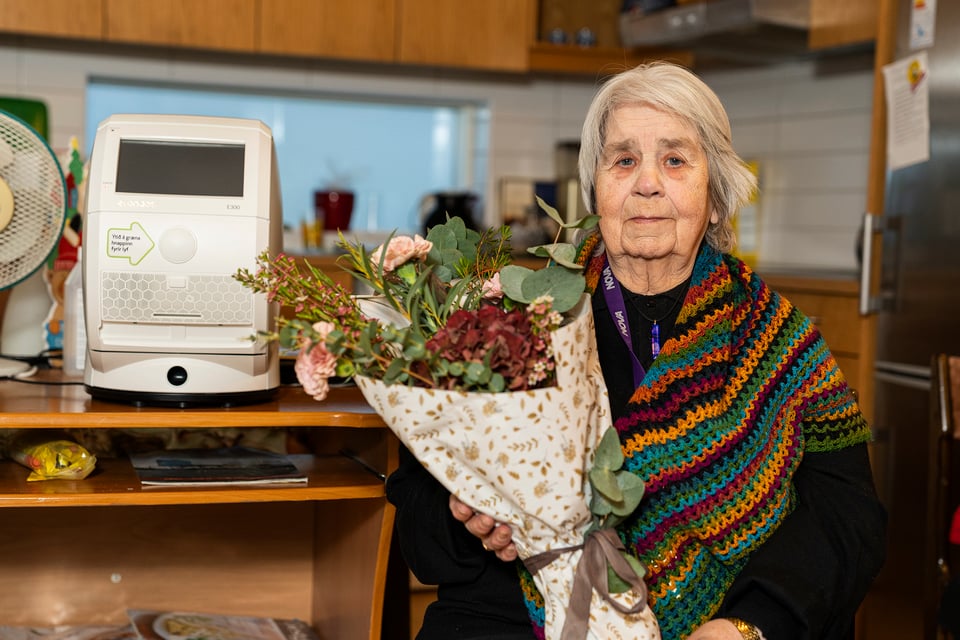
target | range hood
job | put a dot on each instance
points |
(761, 31)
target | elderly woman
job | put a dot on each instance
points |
(760, 518)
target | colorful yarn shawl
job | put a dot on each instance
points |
(717, 429)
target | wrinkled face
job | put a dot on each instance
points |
(651, 187)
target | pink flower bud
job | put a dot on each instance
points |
(399, 251)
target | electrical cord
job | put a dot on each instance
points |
(41, 360)
(23, 378)
(38, 362)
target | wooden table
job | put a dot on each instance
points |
(83, 552)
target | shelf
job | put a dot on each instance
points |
(58, 407)
(115, 483)
(316, 551)
(597, 61)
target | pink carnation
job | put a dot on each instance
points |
(315, 365)
(400, 250)
(491, 288)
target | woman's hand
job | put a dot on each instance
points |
(717, 629)
(494, 537)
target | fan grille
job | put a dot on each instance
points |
(32, 172)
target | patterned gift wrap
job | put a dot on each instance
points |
(522, 457)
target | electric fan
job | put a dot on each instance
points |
(33, 199)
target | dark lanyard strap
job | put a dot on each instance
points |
(613, 294)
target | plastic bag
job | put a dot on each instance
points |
(53, 459)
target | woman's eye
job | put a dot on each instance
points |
(625, 162)
(675, 161)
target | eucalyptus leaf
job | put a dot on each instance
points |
(563, 285)
(608, 454)
(551, 212)
(631, 491)
(477, 372)
(618, 584)
(289, 335)
(415, 351)
(635, 563)
(586, 222)
(562, 253)
(511, 282)
(605, 483)
(393, 371)
(599, 505)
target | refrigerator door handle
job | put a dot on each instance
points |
(903, 374)
(872, 227)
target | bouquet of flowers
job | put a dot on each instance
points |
(487, 372)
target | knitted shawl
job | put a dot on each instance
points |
(716, 430)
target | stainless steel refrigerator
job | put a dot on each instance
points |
(919, 317)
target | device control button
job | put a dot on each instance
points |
(177, 376)
(178, 245)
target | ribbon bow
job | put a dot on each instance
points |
(601, 547)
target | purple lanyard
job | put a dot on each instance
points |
(618, 313)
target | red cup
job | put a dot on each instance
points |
(333, 209)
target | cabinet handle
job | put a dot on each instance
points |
(866, 260)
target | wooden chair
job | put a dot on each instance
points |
(944, 493)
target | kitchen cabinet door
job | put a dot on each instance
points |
(494, 34)
(53, 18)
(835, 24)
(357, 30)
(203, 24)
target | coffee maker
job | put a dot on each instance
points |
(435, 208)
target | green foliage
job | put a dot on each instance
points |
(454, 248)
(418, 284)
(616, 493)
(586, 222)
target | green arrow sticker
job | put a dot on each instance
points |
(132, 243)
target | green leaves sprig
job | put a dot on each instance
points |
(616, 494)
(562, 278)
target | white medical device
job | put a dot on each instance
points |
(175, 205)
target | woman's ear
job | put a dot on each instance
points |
(714, 217)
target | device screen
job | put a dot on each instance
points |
(180, 168)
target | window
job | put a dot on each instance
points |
(390, 152)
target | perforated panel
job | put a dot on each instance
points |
(161, 298)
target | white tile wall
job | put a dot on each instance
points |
(810, 133)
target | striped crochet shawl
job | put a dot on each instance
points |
(717, 430)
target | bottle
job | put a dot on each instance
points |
(74, 329)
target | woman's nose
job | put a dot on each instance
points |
(648, 180)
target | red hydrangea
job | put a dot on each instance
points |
(505, 338)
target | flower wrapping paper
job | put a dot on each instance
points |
(522, 457)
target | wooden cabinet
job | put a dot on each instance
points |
(358, 30)
(834, 24)
(833, 305)
(494, 35)
(497, 35)
(83, 552)
(53, 18)
(206, 24)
